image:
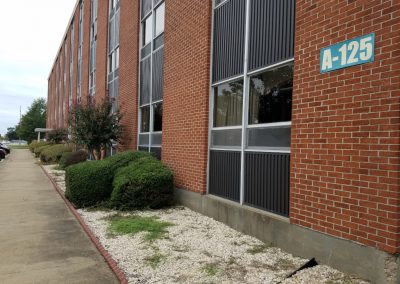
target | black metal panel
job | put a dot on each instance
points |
(146, 7)
(158, 75)
(224, 174)
(145, 51)
(145, 81)
(142, 148)
(229, 37)
(156, 152)
(267, 181)
(158, 41)
(271, 32)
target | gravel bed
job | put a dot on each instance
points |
(198, 249)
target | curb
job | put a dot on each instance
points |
(107, 257)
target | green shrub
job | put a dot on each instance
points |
(63, 159)
(145, 183)
(53, 153)
(34, 144)
(90, 183)
(72, 158)
(38, 150)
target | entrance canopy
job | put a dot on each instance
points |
(39, 130)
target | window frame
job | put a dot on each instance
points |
(148, 16)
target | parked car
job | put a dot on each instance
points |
(2, 154)
(5, 148)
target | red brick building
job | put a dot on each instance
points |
(263, 126)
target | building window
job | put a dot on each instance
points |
(80, 46)
(271, 96)
(160, 14)
(113, 52)
(151, 76)
(147, 30)
(228, 104)
(93, 41)
(64, 103)
(252, 80)
(145, 121)
(71, 62)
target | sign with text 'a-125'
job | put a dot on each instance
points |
(356, 51)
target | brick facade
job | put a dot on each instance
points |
(345, 127)
(345, 141)
(186, 91)
(128, 70)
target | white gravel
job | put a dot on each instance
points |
(198, 249)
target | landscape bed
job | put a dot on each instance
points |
(193, 248)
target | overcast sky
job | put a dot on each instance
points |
(31, 32)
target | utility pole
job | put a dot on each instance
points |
(19, 137)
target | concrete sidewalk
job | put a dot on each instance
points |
(40, 240)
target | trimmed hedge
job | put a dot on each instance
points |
(63, 159)
(34, 144)
(145, 183)
(72, 158)
(53, 153)
(89, 183)
(38, 150)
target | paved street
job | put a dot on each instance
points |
(40, 240)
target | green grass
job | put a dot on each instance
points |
(211, 269)
(19, 146)
(155, 260)
(258, 249)
(154, 228)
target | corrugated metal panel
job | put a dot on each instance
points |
(267, 181)
(271, 32)
(145, 81)
(224, 174)
(156, 152)
(158, 75)
(146, 7)
(229, 37)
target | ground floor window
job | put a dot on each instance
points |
(250, 138)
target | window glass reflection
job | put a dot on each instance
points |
(228, 102)
(271, 96)
(145, 126)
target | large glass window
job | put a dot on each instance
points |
(113, 52)
(157, 112)
(80, 46)
(71, 61)
(252, 86)
(160, 14)
(271, 96)
(145, 123)
(151, 76)
(93, 43)
(147, 30)
(228, 104)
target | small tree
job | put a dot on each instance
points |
(11, 134)
(95, 127)
(34, 118)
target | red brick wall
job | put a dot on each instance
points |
(186, 91)
(345, 126)
(101, 50)
(128, 70)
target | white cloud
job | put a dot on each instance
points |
(31, 32)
